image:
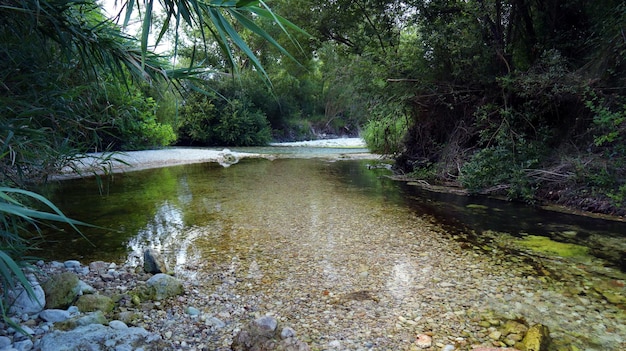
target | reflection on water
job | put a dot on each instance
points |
(403, 278)
(294, 230)
(606, 239)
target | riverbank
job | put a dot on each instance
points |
(129, 161)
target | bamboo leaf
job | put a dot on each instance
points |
(129, 10)
(10, 269)
(244, 3)
(246, 22)
(145, 31)
(222, 40)
(241, 44)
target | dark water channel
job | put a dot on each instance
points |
(354, 223)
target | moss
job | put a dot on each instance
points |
(546, 245)
(90, 303)
(61, 290)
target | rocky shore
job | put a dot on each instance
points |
(104, 306)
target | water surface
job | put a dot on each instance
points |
(343, 253)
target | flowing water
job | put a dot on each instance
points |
(348, 256)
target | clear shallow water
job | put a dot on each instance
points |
(301, 235)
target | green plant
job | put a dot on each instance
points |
(609, 121)
(499, 168)
(17, 219)
(240, 124)
(385, 131)
(51, 53)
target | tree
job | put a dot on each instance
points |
(47, 47)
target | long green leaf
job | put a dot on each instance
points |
(129, 10)
(241, 44)
(244, 3)
(145, 31)
(260, 32)
(56, 216)
(222, 40)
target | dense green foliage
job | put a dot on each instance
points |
(71, 81)
(510, 97)
(208, 119)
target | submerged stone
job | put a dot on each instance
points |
(546, 245)
(153, 262)
(537, 339)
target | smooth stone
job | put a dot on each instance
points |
(61, 290)
(162, 286)
(54, 315)
(424, 341)
(22, 303)
(28, 330)
(57, 264)
(192, 311)
(4, 342)
(495, 335)
(153, 262)
(91, 318)
(85, 288)
(266, 325)
(99, 266)
(537, 338)
(95, 302)
(287, 332)
(215, 323)
(23, 345)
(90, 336)
(118, 325)
(335, 344)
(72, 264)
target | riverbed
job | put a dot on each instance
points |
(334, 249)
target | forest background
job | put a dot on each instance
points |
(518, 98)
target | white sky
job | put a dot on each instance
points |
(112, 9)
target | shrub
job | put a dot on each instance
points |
(500, 168)
(209, 120)
(385, 132)
(241, 124)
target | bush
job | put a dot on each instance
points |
(499, 168)
(129, 120)
(384, 133)
(209, 120)
(241, 124)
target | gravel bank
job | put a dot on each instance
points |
(101, 163)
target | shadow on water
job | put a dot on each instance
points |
(480, 218)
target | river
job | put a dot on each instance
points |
(349, 257)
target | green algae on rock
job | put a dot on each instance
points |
(537, 339)
(95, 302)
(546, 245)
(61, 290)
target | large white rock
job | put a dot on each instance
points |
(97, 337)
(21, 302)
